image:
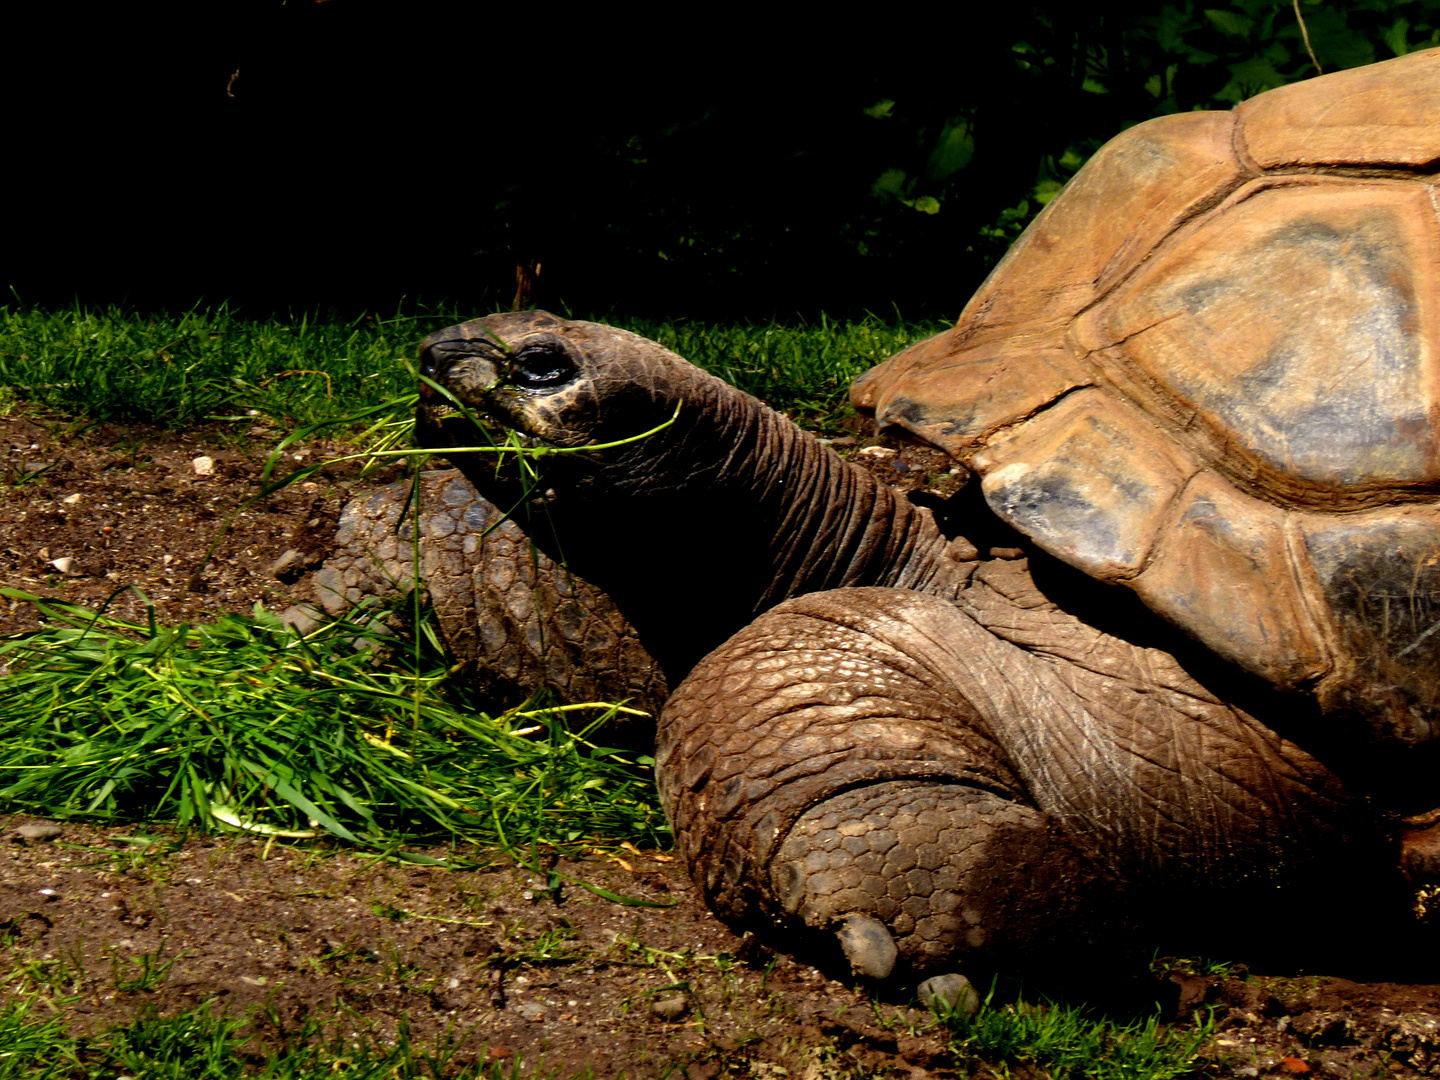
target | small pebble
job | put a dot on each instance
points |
(899, 466)
(950, 993)
(289, 565)
(64, 564)
(203, 465)
(670, 1009)
(39, 831)
(71, 500)
(531, 1010)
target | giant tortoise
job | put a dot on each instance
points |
(1203, 387)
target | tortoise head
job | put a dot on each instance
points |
(561, 383)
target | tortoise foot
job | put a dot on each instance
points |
(920, 873)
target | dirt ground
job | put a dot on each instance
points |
(104, 926)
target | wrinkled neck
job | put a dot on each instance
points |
(829, 524)
(699, 528)
(793, 511)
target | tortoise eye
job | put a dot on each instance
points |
(540, 367)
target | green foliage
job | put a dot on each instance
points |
(31, 1048)
(243, 724)
(200, 1045)
(1070, 1043)
(1134, 64)
(117, 365)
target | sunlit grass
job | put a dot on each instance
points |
(244, 724)
(1068, 1042)
(201, 1045)
(1058, 1042)
(211, 364)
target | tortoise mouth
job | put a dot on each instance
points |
(457, 377)
(452, 414)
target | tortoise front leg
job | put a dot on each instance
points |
(991, 779)
(515, 618)
(823, 774)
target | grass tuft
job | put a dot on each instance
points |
(804, 371)
(1069, 1042)
(211, 364)
(202, 1045)
(177, 371)
(244, 725)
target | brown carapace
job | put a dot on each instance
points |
(1210, 371)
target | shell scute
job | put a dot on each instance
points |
(1380, 575)
(1089, 480)
(1223, 571)
(1298, 325)
(1384, 114)
(1136, 189)
(954, 398)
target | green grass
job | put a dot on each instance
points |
(1071, 1043)
(1058, 1042)
(240, 723)
(243, 724)
(198, 1045)
(804, 371)
(181, 370)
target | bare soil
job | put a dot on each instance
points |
(103, 928)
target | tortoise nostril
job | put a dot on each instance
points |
(438, 360)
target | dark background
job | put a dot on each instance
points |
(377, 155)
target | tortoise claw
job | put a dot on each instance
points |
(868, 946)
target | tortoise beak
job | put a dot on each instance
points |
(468, 370)
(460, 365)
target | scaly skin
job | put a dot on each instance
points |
(517, 621)
(882, 752)
(873, 731)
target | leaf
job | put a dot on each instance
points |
(1227, 22)
(1396, 37)
(927, 204)
(890, 182)
(1046, 190)
(1336, 44)
(952, 152)
(1250, 77)
(880, 110)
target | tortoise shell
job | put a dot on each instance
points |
(1209, 371)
